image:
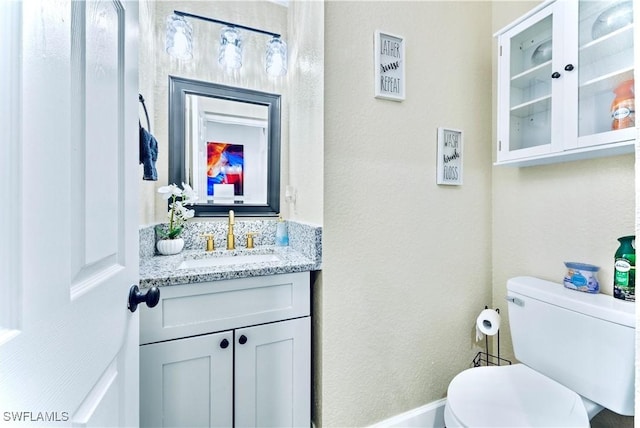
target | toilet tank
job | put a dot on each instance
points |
(583, 341)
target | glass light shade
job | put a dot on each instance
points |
(230, 55)
(179, 37)
(276, 62)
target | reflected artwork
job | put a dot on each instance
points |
(225, 165)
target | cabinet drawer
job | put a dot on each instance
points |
(193, 309)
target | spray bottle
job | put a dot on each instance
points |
(624, 274)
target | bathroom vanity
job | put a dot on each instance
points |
(229, 342)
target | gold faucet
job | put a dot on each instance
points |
(231, 245)
(209, 238)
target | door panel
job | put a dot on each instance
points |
(96, 179)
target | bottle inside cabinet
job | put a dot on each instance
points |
(606, 65)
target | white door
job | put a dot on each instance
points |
(68, 156)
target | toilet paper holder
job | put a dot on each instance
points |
(487, 359)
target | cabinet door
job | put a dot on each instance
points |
(273, 375)
(606, 69)
(187, 382)
(530, 86)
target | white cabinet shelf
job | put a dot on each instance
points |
(537, 73)
(532, 107)
(605, 82)
(560, 109)
(613, 43)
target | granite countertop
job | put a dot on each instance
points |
(162, 271)
(304, 253)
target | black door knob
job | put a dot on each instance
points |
(151, 297)
(224, 343)
(243, 339)
(568, 67)
(555, 75)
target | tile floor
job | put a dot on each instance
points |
(608, 419)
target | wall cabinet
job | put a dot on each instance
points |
(559, 69)
(197, 371)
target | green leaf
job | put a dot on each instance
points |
(166, 233)
(174, 233)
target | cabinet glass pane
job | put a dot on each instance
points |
(530, 86)
(605, 69)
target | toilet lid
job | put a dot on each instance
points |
(513, 396)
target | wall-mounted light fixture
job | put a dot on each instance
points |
(179, 43)
(179, 37)
(276, 57)
(230, 55)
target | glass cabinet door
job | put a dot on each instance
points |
(606, 102)
(526, 95)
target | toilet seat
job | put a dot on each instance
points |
(512, 396)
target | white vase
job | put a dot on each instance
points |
(166, 247)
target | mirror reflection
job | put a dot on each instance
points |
(225, 142)
(227, 149)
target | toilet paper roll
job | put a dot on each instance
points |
(488, 322)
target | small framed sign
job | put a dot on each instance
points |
(449, 156)
(389, 66)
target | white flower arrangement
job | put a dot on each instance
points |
(178, 213)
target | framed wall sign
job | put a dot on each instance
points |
(389, 66)
(449, 156)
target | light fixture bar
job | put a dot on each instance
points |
(230, 24)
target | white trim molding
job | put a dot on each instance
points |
(430, 415)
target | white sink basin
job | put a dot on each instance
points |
(228, 261)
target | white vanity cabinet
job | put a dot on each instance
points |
(228, 353)
(558, 70)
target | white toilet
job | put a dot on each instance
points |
(577, 354)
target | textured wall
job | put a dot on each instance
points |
(146, 79)
(155, 71)
(406, 262)
(301, 26)
(306, 118)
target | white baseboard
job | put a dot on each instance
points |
(430, 415)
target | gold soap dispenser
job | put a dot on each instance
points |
(210, 243)
(250, 243)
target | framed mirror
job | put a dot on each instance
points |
(225, 143)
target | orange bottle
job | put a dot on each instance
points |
(623, 111)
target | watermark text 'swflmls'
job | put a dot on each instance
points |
(28, 416)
